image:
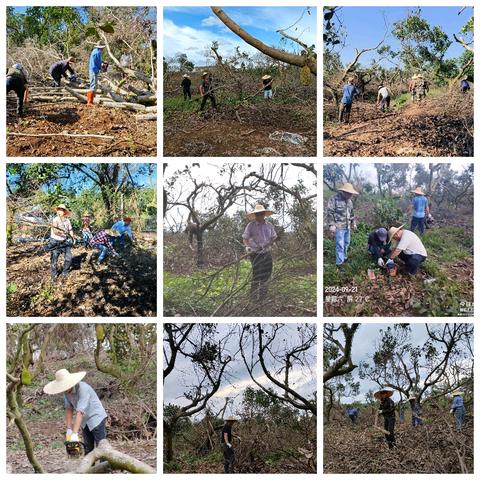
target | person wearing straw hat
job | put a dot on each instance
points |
(416, 410)
(407, 247)
(87, 233)
(419, 206)
(267, 86)
(94, 68)
(387, 409)
(341, 220)
(420, 88)
(83, 408)
(258, 238)
(458, 407)
(349, 91)
(384, 96)
(226, 442)
(102, 241)
(206, 90)
(59, 69)
(60, 241)
(186, 86)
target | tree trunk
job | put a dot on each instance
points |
(200, 259)
(168, 432)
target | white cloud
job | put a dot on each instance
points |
(211, 21)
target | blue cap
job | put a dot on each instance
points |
(381, 234)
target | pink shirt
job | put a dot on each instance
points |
(260, 235)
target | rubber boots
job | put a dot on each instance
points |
(90, 97)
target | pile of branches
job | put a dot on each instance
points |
(131, 420)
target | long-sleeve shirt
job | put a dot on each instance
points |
(101, 238)
(121, 227)
(340, 212)
(61, 68)
(95, 64)
(14, 72)
(61, 228)
(84, 400)
(457, 402)
(348, 93)
(186, 84)
(387, 406)
(260, 236)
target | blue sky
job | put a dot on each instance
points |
(192, 30)
(366, 27)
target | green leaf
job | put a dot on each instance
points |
(107, 27)
(91, 32)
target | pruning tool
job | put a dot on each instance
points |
(74, 449)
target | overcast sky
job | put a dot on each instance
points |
(237, 378)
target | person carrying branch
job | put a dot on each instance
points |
(83, 408)
(206, 91)
(458, 408)
(349, 91)
(95, 66)
(416, 410)
(226, 443)
(341, 220)
(387, 409)
(383, 98)
(60, 242)
(186, 86)
(59, 69)
(409, 248)
(258, 238)
(419, 206)
(17, 81)
(267, 87)
(103, 242)
(124, 229)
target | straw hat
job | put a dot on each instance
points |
(87, 215)
(393, 231)
(64, 380)
(348, 187)
(204, 73)
(100, 45)
(231, 419)
(266, 77)
(186, 75)
(71, 60)
(418, 191)
(259, 209)
(458, 392)
(412, 397)
(414, 77)
(382, 393)
(63, 207)
(112, 233)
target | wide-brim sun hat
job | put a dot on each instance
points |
(348, 187)
(412, 397)
(231, 419)
(86, 214)
(259, 209)
(458, 392)
(204, 73)
(418, 191)
(63, 207)
(383, 393)
(64, 380)
(266, 77)
(186, 76)
(393, 231)
(100, 45)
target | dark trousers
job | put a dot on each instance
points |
(262, 266)
(389, 426)
(375, 251)
(187, 93)
(205, 98)
(418, 222)
(412, 262)
(91, 438)
(228, 459)
(57, 79)
(57, 248)
(344, 114)
(18, 86)
(385, 104)
(353, 418)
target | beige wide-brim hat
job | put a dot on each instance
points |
(259, 209)
(87, 215)
(204, 73)
(393, 231)
(71, 60)
(231, 419)
(186, 76)
(348, 187)
(412, 397)
(112, 232)
(63, 207)
(458, 392)
(64, 380)
(99, 45)
(418, 191)
(414, 77)
(266, 77)
(383, 393)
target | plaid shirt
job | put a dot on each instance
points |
(101, 238)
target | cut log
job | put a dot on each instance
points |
(151, 109)
(116, 459)
(147, 99)
(147, 116)
(85, 135)
(135, 107)
(51, 98)
(79, 96)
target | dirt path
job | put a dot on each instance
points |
(425, 130)
(132, 138)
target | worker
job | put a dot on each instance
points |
(352, 413)
(102, 241)
(267, 87)
(258, 239)
(387, 409)
(341, 220)
(95, 66)
(420, 88)
(17, 81)
(408, 248)
(124, 229)
(416, 410)
(378, 246)
(458, 408)
(411, 86)
(383, 98)
(206, 91)
(61, 241)
(83, 408)
(59, 69)
(86, 228)
(464, 85)
(186, 85)
(226, 441)
(349, 91)
(419, 206)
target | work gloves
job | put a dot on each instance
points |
(332, 228)
(248, 249)
(451, 411)
(380, 262)
(229, 445)
(380, 411)
(74, 437)
(68, 434)
(390, 262)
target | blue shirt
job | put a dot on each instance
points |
(348, 92)
(121, 227)
(84, 399)
(352, 411)
(419, 203)
(457, 402)
(95, 61)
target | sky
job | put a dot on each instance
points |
(192, 30)
(238, 379)
(364, 345)
(366, 27)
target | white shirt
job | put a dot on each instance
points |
(410, 244)
(60, 228)
(384, 92)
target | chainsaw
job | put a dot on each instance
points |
(74, 449)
